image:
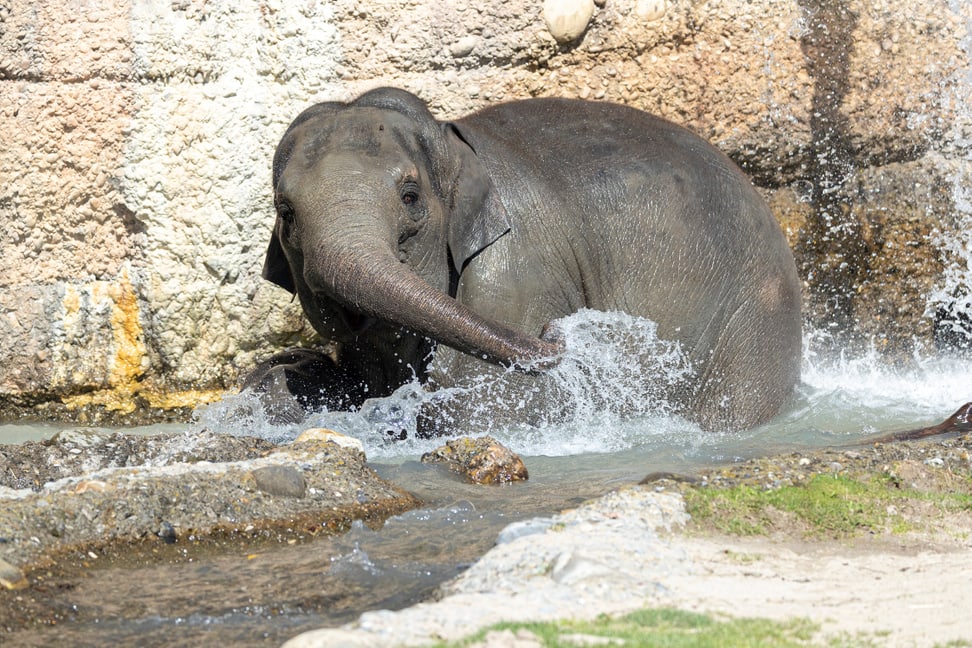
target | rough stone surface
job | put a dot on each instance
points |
(86, 489)
(481, 460)
(134, 176)
(76, 452)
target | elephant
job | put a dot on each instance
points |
(442, 250)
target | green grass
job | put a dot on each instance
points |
(827, 505)
(664, 628)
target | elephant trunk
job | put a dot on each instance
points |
(374, 283)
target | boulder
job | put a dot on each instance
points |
(480, 460)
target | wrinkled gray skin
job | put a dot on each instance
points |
(404, 236)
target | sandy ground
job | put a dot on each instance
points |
(918, 596)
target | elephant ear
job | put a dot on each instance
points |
(478, 216)
(275, 266)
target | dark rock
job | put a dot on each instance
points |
(280, 481)
(167, 533)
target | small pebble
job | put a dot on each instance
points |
(167, 532)
(11, 578)
(464, 46)
(281, 481)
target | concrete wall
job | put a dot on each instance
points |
(137, 137)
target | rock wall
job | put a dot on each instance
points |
(134, 176)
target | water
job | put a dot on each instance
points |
(620, 428)
(618, 407)
(598, 384)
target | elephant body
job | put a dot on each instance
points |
(530, 211)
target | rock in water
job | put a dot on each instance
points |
(483, 460)
(324, 435)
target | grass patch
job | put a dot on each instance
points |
(665, 628)
(827, 505)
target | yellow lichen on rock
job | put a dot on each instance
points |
(11, 577)
(183, 398)
(126, 368)
(125, 365)
(480, 460)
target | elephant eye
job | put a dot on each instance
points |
(285, 212)
(410, 193)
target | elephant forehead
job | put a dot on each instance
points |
(366, 132)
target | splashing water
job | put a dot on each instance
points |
(950, 302)
(614, 368)
(609, 394)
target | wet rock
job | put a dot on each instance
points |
(281, 481)
(167, 533)
(524, 528)
(181, 489)
(77, 452)
(324, 435)
(567, 20)
(80, 438)
(482, 460)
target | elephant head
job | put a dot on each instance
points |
(379, 208)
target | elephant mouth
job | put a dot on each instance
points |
(354, 321)
(332, 311)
